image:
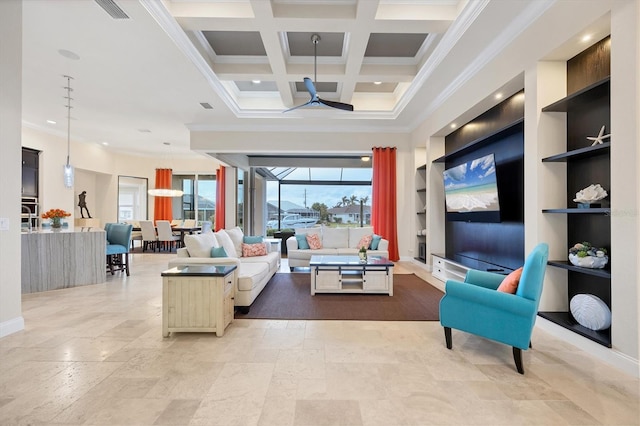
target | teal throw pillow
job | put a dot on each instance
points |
(251, 239)
(218, 252)
(302, 242)
(375, 241)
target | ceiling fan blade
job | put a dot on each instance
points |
(310, 87)
(339, 105)
(299, 106)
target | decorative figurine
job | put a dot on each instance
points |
(82, 203)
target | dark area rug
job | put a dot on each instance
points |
(287, 296)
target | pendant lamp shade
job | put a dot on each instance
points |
(163, 185)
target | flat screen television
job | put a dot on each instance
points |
(471, 191)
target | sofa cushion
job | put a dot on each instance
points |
(252, 250)
(225, 241)
(335, 237)
(272, 259)
(249, 274)
(200, 245)
(219, 252)
(304, 231)
(314, 241)
(237, 236)
(303, 244)
(356, 234)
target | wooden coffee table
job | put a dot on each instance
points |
(346, 274)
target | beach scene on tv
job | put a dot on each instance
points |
(472, 187)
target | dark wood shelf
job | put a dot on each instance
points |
(565, 264)
(593, 91)
(517, 125)
(422, 168)
(565, 319)
(576, 154)
(421, 190)
(596, 210)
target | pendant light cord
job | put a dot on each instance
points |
(69, 90)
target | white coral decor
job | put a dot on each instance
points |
(590, 194)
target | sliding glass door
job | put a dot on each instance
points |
(199, 198)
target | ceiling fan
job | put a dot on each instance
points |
(311, 88)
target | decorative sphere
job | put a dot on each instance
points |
(590, 311)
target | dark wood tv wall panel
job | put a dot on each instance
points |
(488, 246)
(589, 66)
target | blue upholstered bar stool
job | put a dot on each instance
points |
(118, 243)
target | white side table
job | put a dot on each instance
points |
(198, 298)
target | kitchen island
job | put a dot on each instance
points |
(62, 258)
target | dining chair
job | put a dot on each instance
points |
(189, 223)
(176, 222)
(166, 239)
(207, 225)
(149, 237)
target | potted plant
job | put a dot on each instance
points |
(363, 254)
(585, 255)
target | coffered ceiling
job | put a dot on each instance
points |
(150, 72)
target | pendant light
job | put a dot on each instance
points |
(163, 184)
(68, 168)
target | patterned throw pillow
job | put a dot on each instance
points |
(257, 249)
(365, 241)
(314, 241)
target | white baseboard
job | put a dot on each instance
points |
(610, 356)
(12, 326)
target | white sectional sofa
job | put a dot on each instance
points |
(253, 273)
(335, 241)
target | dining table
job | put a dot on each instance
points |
(181, 229)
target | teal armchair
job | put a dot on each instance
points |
(474, 306)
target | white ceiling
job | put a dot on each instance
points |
(141, 81)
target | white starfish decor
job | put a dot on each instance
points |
(600, 138)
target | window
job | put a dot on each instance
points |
(132, 198)
(199, 197)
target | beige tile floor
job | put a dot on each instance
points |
(95, 355)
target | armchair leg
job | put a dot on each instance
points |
(126, 258)
(517, 357)
(447, 337)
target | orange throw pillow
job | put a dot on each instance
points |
(510, 282)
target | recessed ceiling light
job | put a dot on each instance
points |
(256, 81)
(105, 143)
(69, 54)
(585, 38)
(51, 122)
(498, 95)
(377, 83)
(453, 125)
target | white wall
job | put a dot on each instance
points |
(10, 164)
(528, 53)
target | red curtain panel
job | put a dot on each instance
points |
(162, 205)
(383, 205)
(220, 197)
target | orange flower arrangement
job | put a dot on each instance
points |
(56, 216)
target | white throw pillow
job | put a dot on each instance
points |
(200, 245)
(356, 234)
(237, 236)
(225, 241)
(335, 237)
(590, 311)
